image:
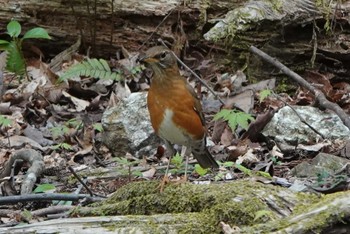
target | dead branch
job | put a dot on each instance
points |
(320, 97)
(47, 197)
(34, 159)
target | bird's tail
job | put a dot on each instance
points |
(201, 153)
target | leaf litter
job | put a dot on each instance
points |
(58, 120)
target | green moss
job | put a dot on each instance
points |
(200, 208)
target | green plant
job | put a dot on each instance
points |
(74, 123)
(137, 69)
(96, 68)
(124, 163)
(264, 94)
(5, 122)
(221, 174)
(15, 59)
(275, 160)
(200, 170)
(64, 146)
(59, 130)
(98, 127)
(179, 164)
(42, 188)
(234, 118)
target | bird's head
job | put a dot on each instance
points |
(161, 60)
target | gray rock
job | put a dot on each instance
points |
(320, 164)
(286, 127)
(127, 127)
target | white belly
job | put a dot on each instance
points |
(169, 131)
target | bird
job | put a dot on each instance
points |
(175, 110)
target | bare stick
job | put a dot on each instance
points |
(82, 182)
(320, 97)
(46, 197)
(300, 117)
(156, 29)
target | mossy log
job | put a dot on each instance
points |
(187, 208)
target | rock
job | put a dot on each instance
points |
(127, 127)
(286, 127)
(320, 164)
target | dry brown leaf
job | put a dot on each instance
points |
(80, 104)
(248, 157)
(226, 136)
(244, 101)
(149, 174)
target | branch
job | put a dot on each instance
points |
(46, 197)
(320, 97)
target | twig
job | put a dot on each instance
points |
(195, 75)
(301, 118)
(156, 29)
(80, 180)
(51, 210)
(46, 197)
(319, 96)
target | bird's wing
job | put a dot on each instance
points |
(197, 104)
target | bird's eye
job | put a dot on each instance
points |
(163, 55)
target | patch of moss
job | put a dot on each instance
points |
(200, 208)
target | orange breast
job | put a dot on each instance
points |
(180, 102)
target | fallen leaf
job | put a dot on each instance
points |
(80, 104)
(149, 174)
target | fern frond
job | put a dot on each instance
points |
(96, 68)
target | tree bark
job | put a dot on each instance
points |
(109, 25)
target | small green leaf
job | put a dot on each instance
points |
(55, 147)
(105, 65)
(98, 127)
(264, 94)
(222, 114)
(243, 169)
(13, 28)
(242, 119)
(120, 160)
(228, 164)
(5, 122)
(66, 146)
(36, 33)
(137, 173)
(263, 174)
(232, 122)
(219, 176)
(44, 188)
(177, 160)
(15, 61)
(3, 42)
(200, 170)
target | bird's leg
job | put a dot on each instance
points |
(184, 154)
(171, 152)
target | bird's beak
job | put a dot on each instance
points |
(143, 58)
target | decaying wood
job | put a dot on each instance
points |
(112, 24)
(274, 26)
(34, 159)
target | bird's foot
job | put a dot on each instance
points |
(162, 184)
(182, 180)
